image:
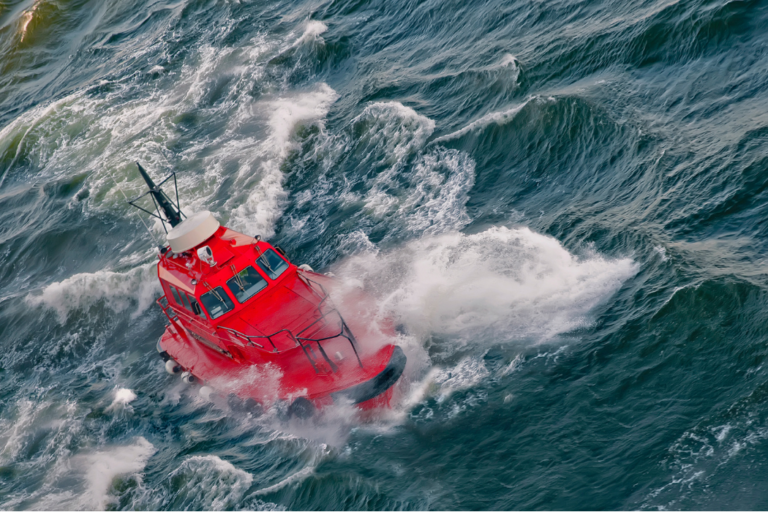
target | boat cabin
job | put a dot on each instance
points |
(220, 277)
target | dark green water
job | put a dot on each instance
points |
(564, 203)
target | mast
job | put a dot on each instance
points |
(171, 211)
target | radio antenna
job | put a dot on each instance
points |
(165, 209)
(159, 245)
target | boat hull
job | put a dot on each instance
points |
(367, 384)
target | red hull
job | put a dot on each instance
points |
(289, 340)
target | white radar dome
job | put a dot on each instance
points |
(192, 231)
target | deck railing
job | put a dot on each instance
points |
(305, 342)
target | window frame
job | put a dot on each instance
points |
(174, 293)
(194, 302)
(185, 301)
(266, 271)
(205, 308)
(233, 278)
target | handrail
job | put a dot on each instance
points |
(344, 326)
(344, 330)
(188, 315)
(165, 305)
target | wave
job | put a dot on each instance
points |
(499, 118)
(101, 468)
(118, 290)
(123, 397)
(300, 475)
(380, 169)
(264, 203)
(100, 133)
(312, 31)
(207, 481)
(67, 480)
(442, 180)
(523, 285)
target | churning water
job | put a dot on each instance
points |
(563, 203)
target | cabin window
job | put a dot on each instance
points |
(185, 301)
(217, 302)
(246, 284)
(196, 307)
(175, 294)
(272, 264)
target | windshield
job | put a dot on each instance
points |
(271, 263)
(246, 284)
(217, 302)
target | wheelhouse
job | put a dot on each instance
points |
(210, 294)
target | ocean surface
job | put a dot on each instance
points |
(563, 203)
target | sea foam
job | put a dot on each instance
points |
(520, 284)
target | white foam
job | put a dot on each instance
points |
(261, 380)
(509, 60)
(210, 483)
(118, 290)
(508, 66)
(15, 432)
(391, 133)
(123, 397)
(93, 475)
(512, 367)
(468, 373)
(499, 118)
(28, 122)
(264, 203)
(312, 32)
(395, 128)
(102, 467)
(442, 179)
(300, 475)
(500, 284)
(102, 135)
(697, 457)
(439, 382)
(424, 190)
(357, 242)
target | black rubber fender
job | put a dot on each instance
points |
(380, 383)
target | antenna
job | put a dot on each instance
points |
(159, 245)
(171, 211)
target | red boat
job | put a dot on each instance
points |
(236, 305)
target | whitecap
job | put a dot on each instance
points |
(122, 397)
(89, 477)
(500, 118)
(210, 483)
(436, 203)
(515, 282)
(312, 31)
(118, 290)
(266, 197)
(468, 373)
(300, 475)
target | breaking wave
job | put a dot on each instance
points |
(520, 284)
